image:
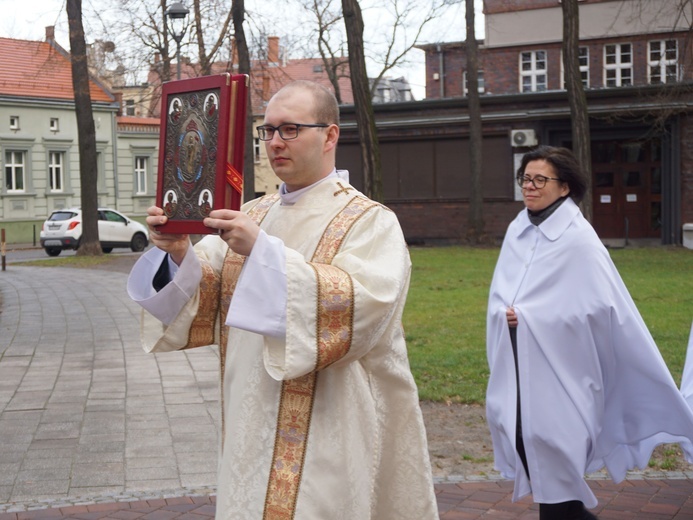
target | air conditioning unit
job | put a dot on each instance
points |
(523, 137)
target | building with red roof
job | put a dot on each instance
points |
(39, 146)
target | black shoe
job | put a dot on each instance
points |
(571, 510)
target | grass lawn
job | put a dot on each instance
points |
(445, 316)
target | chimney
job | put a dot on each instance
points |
(119, 99)
(265, 88)
(50, 33)
(273, 51)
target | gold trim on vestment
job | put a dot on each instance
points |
(201, 330)
(335, 308)
(335, 313)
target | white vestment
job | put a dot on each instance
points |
(324, 422)
(595, 391)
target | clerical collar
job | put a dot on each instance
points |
(537, 217)
(289, 198)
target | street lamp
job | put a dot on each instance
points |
(177, 13)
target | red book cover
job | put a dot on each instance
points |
(201, 148)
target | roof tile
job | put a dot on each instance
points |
(36, 69)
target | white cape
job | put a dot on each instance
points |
(595, 391)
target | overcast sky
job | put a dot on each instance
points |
(28, 19)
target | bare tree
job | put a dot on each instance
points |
(406, 17)
(401, 24)
(145, 46)
(212, 10)
(365, 117)
(576, 98)
(86, 133)
(329, 21)
(476, 199)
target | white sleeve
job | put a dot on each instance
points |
(259, 301)
(166, 304)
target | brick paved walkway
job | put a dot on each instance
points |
(670, 499)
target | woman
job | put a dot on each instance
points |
(576, 382)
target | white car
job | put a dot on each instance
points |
(63, 229)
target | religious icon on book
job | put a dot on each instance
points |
(201, 148)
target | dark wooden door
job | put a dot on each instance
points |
(626, 189)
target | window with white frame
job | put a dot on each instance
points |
(533, 71)
(584, 64)
(14, 171)
(55, 170)
(54, 124)
(618, 65)
(141, 174)
(663, 61)
(480, 79)
(14, 122)
(129, 107)
(256, 149)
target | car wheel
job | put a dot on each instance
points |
(138, 243)
(53, 251)
(106, 249)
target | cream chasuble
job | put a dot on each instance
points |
(324, 423)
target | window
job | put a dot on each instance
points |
(618, 65)
(54, 124)
(584, 63)
(141, 175)
(384, 95)
(480, 79)
(14, 171)
(256, 149)
(663, 62)
(532, 71)
(14, 122)
(55, 170)
(129, 107)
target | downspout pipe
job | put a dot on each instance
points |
(441, 69)
(114, 130)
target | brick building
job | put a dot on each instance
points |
(635, 58)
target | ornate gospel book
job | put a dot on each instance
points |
(201, 148)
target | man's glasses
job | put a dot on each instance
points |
(287, 131)
(538, 181)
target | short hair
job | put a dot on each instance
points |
(565, 165)
(326, 106)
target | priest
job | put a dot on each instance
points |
(304, 293)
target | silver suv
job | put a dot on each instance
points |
(63, 230)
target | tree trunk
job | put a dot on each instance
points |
(476, 220)
(576, 98)
(238, 15)
(88, 173)
(365, 117)
(203, 60)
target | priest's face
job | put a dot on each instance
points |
(537, 199)
(308, 157)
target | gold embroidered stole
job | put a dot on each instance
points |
(335, 299)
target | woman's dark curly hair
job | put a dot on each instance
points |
(564, 164)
